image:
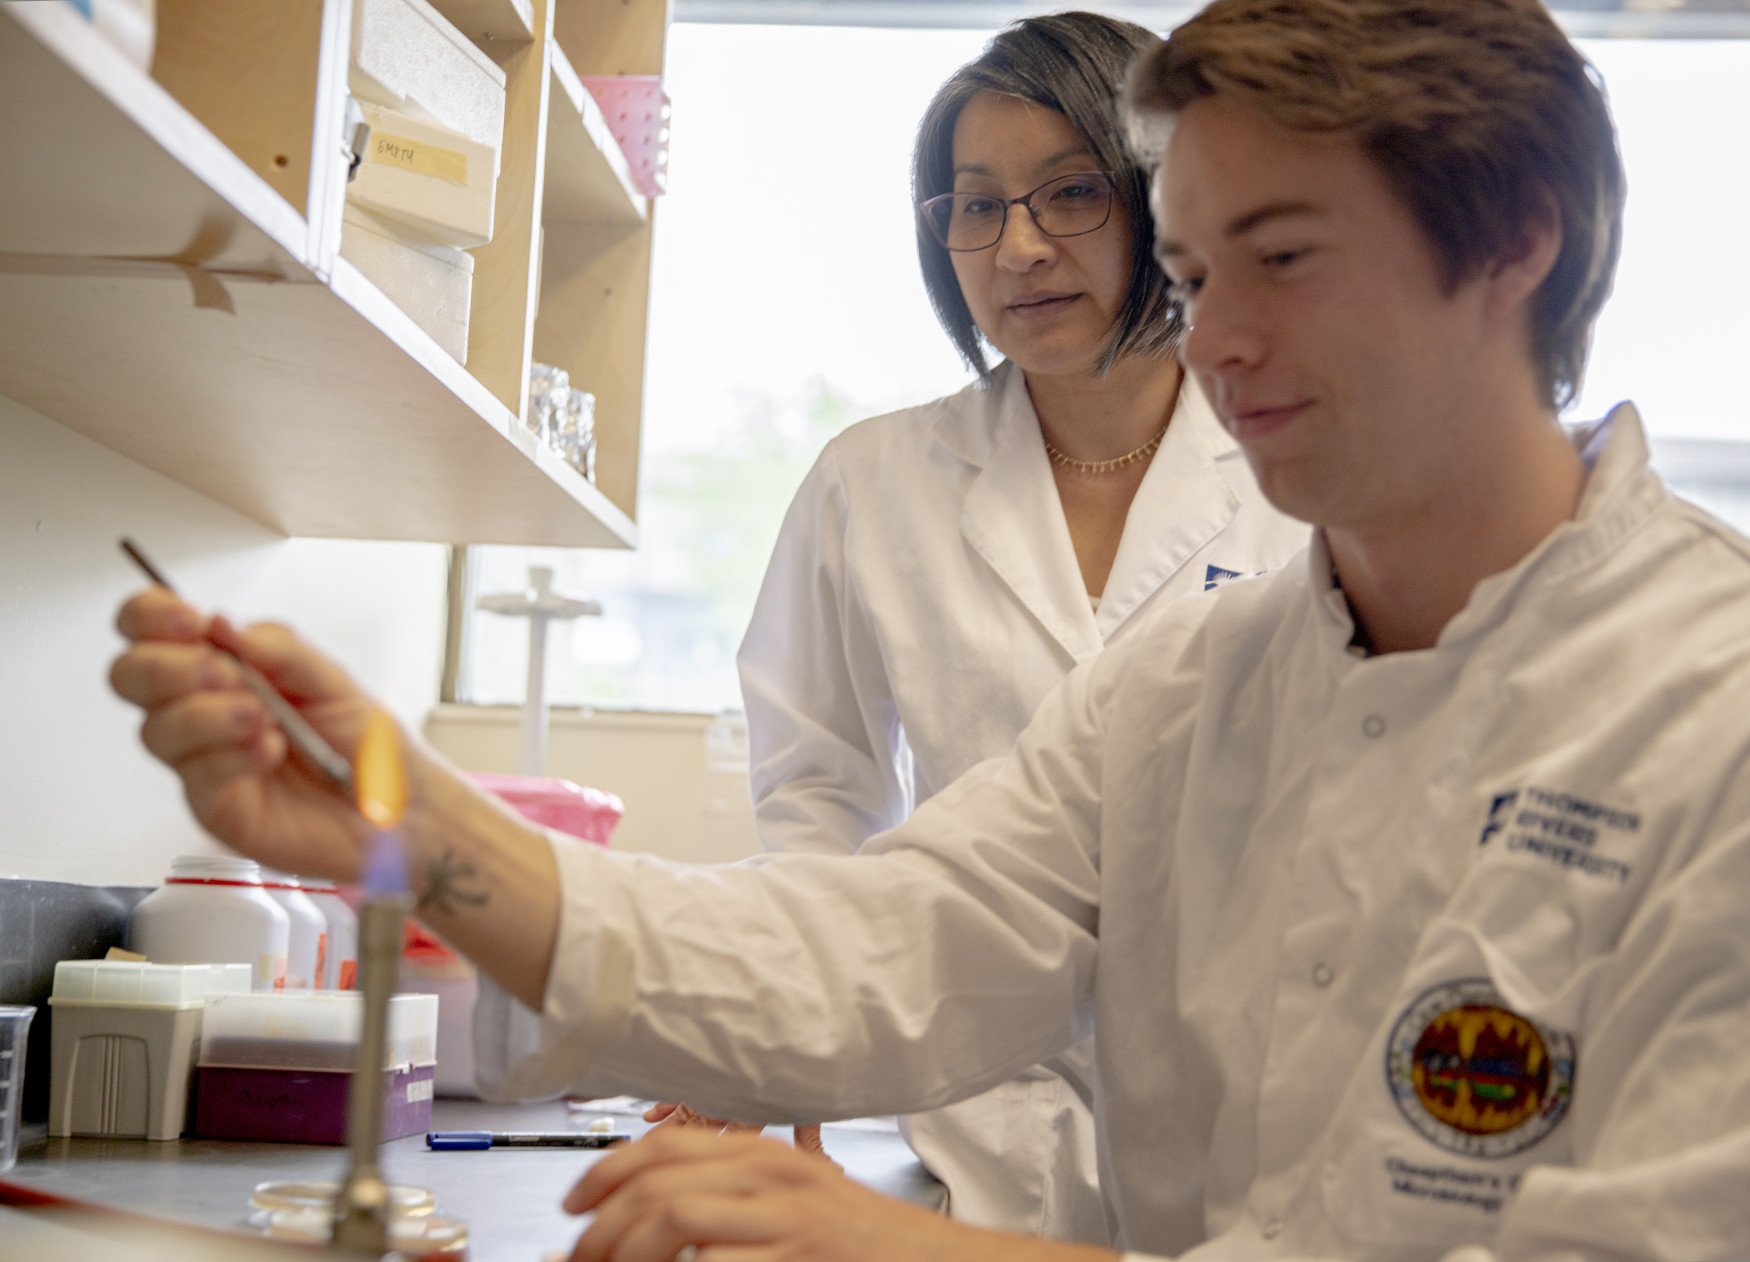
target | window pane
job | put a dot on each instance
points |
(1677, 326)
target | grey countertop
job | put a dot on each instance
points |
(508, 1197)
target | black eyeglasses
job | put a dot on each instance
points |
(1068, 206)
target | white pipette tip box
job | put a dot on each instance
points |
(123, 1042)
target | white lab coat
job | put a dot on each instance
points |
(922, 599)
(1324, 912)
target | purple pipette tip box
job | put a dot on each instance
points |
(295, 1106)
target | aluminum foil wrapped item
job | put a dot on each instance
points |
(576, 436)
(549, 387)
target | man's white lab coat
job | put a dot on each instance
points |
(1441, 954)
(922, 599)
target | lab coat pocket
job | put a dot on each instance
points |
(1461, 1097)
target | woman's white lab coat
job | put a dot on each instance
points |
(922, 599)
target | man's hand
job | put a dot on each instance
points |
(807, 1137)
(486, 879)
(241, 782)
(748, 1199)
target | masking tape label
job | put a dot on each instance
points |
(419, 157)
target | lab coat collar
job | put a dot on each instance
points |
(1012, 516)
(1185, 500)
(1014, 519)
(1620, 496)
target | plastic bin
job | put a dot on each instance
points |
(637, 111)
(432, 283)
(439, 99)
(586, 813)
(408, 56)
(432, 178)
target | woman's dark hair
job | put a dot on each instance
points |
(1073, 63)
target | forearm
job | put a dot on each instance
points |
(484, 878)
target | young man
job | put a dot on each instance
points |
(1403, 888)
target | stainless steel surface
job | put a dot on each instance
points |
(508, 1197)
(361, 1211)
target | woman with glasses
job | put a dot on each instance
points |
(943, 567)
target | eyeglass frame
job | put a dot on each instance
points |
(1026, 199)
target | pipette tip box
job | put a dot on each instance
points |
(123, 1041)
(279, 1066)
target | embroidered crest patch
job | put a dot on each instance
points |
(1474, 1077)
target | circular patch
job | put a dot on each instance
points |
(1475, 1077)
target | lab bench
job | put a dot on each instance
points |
(508, 1197)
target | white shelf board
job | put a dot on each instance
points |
(587, 177)
(314, 410)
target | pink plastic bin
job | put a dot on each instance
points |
(637, 110)
(571, 808)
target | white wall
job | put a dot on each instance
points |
(79, 798)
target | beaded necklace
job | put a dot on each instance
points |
(1106, 466)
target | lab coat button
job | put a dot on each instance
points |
(1373, 726)
(1272, 1228)
(1323, 975)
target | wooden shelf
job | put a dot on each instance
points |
(488, 22)
(160, 297)
(102, 161)
(588, 178)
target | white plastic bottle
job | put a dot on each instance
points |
(307, 947)
(340, 970)
(212, 909)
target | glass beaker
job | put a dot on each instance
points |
(14, 1037)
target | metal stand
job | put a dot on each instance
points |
(361, 1210)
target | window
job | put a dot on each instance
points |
(786, 304)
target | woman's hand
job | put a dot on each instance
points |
(807, 1137)
(685, 1115)
(748, 1199)
(240, 780)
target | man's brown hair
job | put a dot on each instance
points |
(1481, 114)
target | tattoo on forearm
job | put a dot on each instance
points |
(447, 882)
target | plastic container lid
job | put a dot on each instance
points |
(126, 984)
(213, 869)
(312, 1030)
